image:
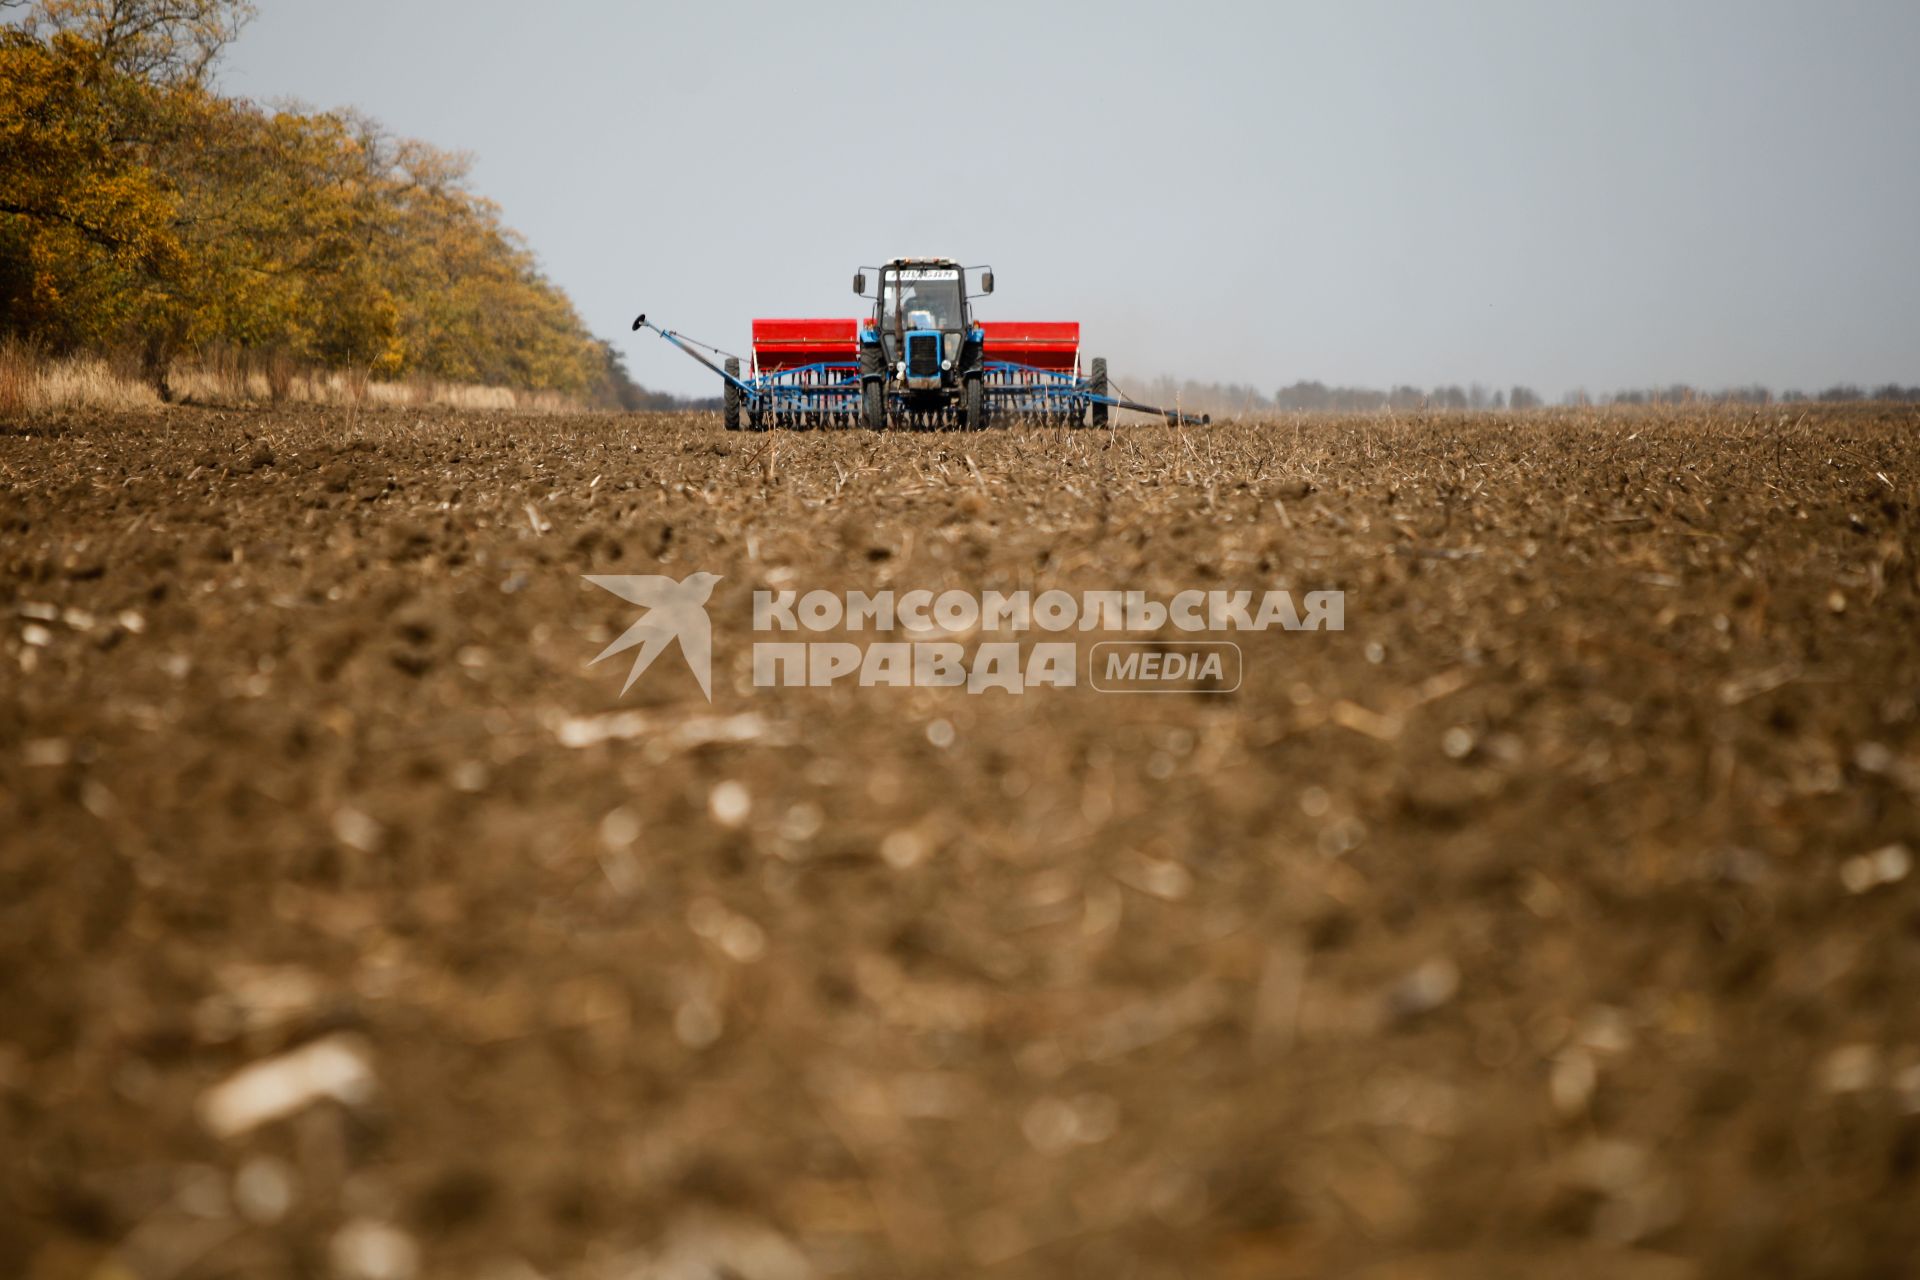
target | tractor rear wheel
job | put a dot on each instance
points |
(1097, 384)
(873, 405)
(976, 406)
(730, 396)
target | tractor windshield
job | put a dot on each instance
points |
(921, 298)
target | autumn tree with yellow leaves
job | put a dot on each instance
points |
(141, 211)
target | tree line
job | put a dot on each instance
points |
(1839, 393)
(1316, 396)
(1319, 397)
(143, 212)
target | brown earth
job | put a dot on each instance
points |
(1554, 918)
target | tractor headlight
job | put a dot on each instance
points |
(947, 365)
(901, 368)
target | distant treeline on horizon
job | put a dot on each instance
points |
(1318, 397)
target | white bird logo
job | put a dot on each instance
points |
(674, 611)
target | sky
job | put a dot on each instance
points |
(1596, 195)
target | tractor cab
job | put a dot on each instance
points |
(921, 338)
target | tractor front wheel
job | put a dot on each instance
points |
(1097, 384)
(730, 396)
(976, 407)
(873, 405)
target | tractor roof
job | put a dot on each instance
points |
(924, 262)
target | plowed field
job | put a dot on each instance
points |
(1554, 918)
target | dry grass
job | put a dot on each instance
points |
(14, 379)
(32, 382)
(222, 386)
